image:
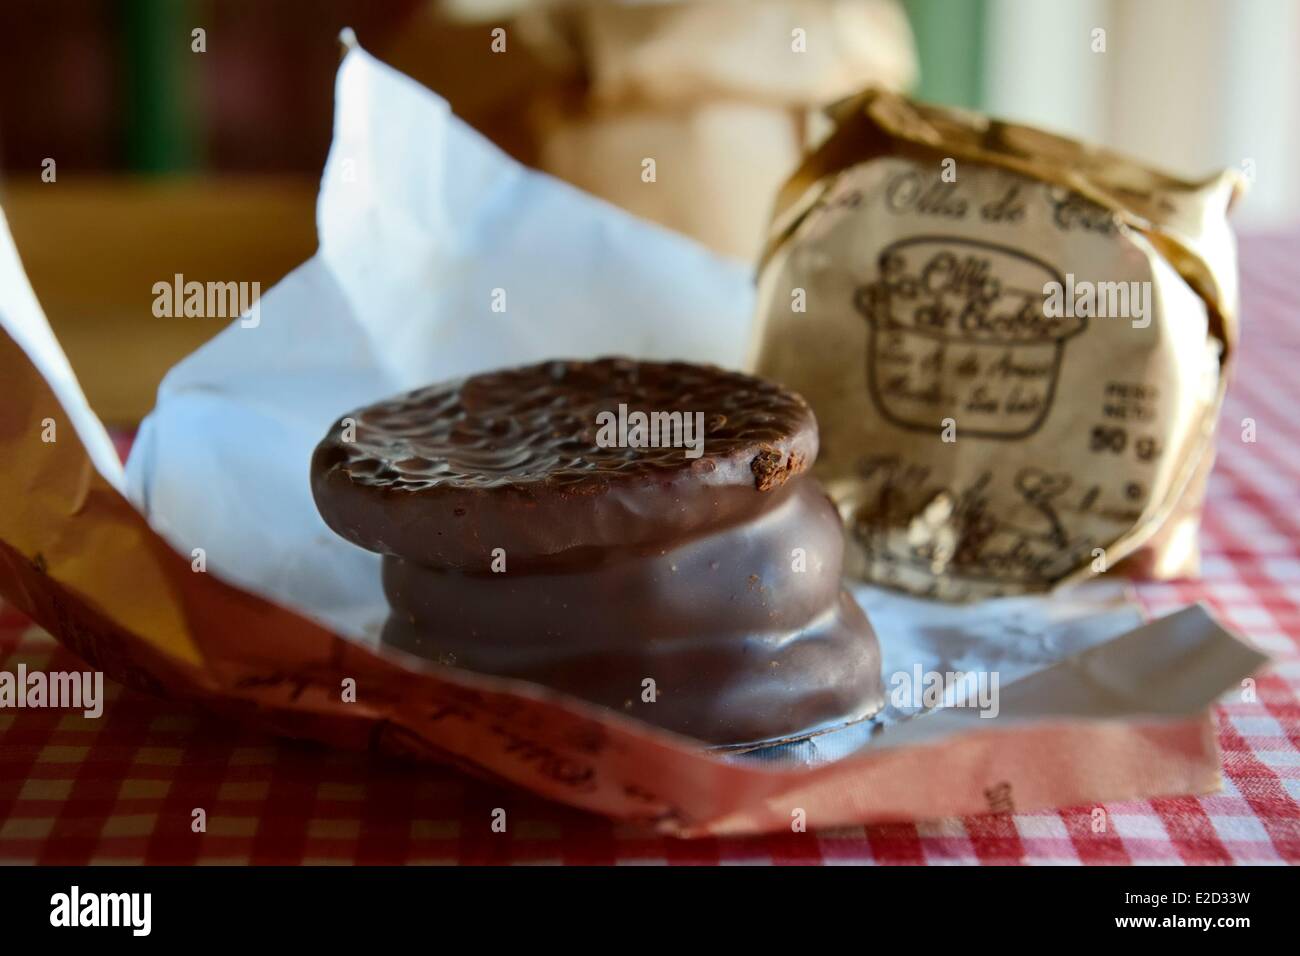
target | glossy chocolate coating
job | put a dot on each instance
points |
(717, 577)
(510, 459)
(742, 647)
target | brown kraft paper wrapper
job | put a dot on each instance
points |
(704, 87)
(1128, 718)
(1016, 346)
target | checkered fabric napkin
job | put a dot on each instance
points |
(122, 788)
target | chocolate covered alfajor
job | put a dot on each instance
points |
(642, 535)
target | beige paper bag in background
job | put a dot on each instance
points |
(719, 94)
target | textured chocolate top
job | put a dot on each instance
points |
(511, 459)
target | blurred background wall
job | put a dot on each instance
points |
(189, 134)
(117, 85)
(113, 85)
(1188, 85)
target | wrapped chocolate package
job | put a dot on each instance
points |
(1016, 346)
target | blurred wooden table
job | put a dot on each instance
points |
(94, 247)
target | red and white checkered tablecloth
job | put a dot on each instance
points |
(122, 788)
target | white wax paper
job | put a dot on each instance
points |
(424, 226)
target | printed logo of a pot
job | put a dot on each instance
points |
(958, 330)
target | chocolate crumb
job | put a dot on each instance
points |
(771, 470)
